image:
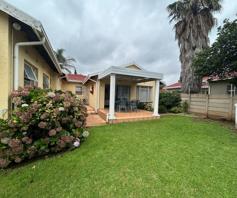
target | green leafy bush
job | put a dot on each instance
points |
(185, 106)
(162, 109)
(178, 109)
(42, 122)
(145, 106)
(170, 100)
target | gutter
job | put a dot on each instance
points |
(16, 58)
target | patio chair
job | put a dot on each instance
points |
(133, 105)
(122, 105)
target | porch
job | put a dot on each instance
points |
(101, 116)
(115, 93)
(127, 116)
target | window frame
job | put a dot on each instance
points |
(80, 93)
(32, 80)
(148, 91)
(47, 76)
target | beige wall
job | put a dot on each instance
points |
(71, 86)
(29, 54)
(91, 97)
(133, 93)
(5, 69)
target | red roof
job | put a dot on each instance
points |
(178, 85)
(75, 77)
(174, 86)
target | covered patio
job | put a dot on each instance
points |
(114, 93)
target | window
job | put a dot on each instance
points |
(144, 94)
(78, 90)
(30, 75)
(231, 89)
(46, 84)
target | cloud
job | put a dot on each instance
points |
(101, 33)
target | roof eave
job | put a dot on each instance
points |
(129, 72)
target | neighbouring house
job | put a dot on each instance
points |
(122, 83)
(74, 83)
(211, 86)
(176, 87)
(224, 87)
(26, 55)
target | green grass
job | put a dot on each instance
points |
(171, 157)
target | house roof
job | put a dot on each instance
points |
(75, 78)
(126, 71)
(36, 28)
(178, 85)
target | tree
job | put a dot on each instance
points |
(194, 20)
(65, 62)
(219, 60)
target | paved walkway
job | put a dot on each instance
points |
(93, 119)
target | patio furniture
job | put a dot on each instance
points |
(133, 105)
(122, 105)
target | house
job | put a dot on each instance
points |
(176, 87)
(211, 86)
(26, 55)
(117, 83)
(74, 83)
(224, 87)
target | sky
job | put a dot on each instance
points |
(103, 33)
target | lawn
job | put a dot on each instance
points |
(172, 157)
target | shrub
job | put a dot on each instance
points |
(185, 106)
(178, 109)
(42, 122)
(162, 109)
(145, 106)
(170, 100)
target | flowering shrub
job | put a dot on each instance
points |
(42, 122)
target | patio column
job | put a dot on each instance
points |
(97, 105)
(156, 99)
(112, 97)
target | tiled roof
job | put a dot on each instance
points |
(178, 85)
(75, 77)
(174, 86)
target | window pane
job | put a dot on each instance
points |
(79, 90)
(144, 94)
(45, 81)
(30, 75)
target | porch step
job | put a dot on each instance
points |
(90, 110)
(94, 120)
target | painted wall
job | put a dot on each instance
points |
(5, 69)
(71, 86)
(219, 88)
(91, 96)
(29, 54)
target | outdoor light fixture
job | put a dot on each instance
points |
(16, 26)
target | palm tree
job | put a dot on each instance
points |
(65, 62)
(193, 21)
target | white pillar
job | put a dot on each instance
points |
(97, 104)
(112, 97)
(156, 98)
(236, 116)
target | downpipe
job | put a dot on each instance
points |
(16, 58)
